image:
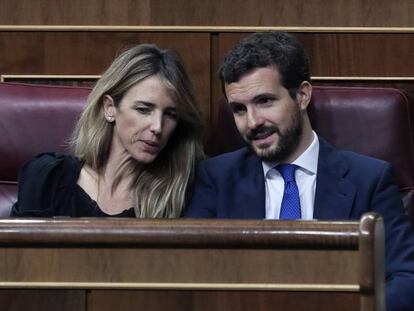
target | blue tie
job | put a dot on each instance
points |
(290, 208)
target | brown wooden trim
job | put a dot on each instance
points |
(186, 233)
(205, 28)
(372, 266)
(6, 77)
(357, 78)
(186, 286)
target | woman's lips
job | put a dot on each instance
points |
(150, 146)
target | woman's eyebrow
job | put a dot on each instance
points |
(143, 102)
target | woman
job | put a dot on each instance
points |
(135, 146)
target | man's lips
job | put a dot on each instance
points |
(264, 141)
(261, 134)
(262, 137)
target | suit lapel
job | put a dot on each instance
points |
(250, 201)
(334, 194)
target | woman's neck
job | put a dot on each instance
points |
(112, 187)
(120, 164)
(115, 183)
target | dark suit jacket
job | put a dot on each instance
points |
(347, 185)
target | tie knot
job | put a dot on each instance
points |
(287, 171)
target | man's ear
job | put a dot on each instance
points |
(109, 108)
(304, 95)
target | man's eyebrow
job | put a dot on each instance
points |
(234, 103)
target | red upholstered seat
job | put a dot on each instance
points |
(375, 121)
(33, 119)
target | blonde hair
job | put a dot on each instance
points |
(161, 188)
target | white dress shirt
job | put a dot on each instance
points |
(305, 176)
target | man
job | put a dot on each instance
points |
(265, 79)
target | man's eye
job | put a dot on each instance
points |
(265, 100)
(238, 109)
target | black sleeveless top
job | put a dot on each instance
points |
(48, 187)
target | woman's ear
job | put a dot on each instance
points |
(109, 108)
(304, 94)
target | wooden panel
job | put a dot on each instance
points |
(104, 300)
(90, 53)
(380, 13)
(75, 12)
(198, 264)
(356, 13)
(348, 54)
(42, 300)
(366, 55)
(212, 266)
(205, 252)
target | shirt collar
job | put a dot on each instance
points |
(307, 161)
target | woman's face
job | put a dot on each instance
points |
(144, 120)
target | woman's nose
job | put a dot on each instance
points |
(156, 124)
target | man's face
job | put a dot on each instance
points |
(268, 119)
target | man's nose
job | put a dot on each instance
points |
(254, 119)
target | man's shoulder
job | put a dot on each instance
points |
(231, 158)
(351, 163)
(359, 160)
(242, 162)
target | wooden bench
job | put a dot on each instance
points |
(184, 264)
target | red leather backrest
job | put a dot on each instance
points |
(33, 119)
(375, 121)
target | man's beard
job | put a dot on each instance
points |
(287, 142)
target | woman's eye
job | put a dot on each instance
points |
(171, 114)
(143, 110)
